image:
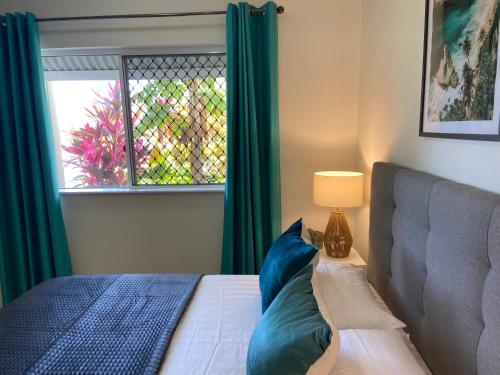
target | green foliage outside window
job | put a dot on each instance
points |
(179, 135)
(179, 129)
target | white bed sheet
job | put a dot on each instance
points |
(378, 352)
(213, 336)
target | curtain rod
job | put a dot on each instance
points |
(279, 10)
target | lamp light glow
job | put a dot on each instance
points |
(338, 189)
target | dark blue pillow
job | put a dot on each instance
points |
(287, 256)
(292, 335)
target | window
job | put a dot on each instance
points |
(87, 119)
(169, 128)
(178, 116)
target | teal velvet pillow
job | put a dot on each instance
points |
(292, 334)
(287, 256)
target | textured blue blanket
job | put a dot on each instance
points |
(93, 324)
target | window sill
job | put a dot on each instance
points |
(146, 190)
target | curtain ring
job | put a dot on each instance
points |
(258, 11)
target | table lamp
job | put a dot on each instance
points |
(338, 190)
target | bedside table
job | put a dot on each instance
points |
(354, 258)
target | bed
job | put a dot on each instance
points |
(434, 253)
(214, 334)
(435, 260)
(434, 256)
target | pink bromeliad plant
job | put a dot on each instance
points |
(98, 148)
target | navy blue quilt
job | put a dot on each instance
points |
(93, 324)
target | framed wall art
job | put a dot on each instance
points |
(460, 85)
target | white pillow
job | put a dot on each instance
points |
(349, 303)
(305, 234)
(325, 363)
(373, 352)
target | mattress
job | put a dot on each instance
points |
(213, 335)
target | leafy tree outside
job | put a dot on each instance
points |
(179, 129)
(97, 149)
(182, 124)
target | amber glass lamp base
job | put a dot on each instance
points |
(338, 239)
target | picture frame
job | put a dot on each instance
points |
(460, 96)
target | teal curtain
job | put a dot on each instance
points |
(252, 212)
(33, 244)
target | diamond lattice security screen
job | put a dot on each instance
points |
(177, 117)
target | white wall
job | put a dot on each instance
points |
(137, 233)
(319, 63)
(389, 105)
(319, 44)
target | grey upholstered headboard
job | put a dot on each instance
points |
(435, 259)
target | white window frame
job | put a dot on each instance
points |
(121, 52)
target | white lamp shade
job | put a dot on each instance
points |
(338, 189)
